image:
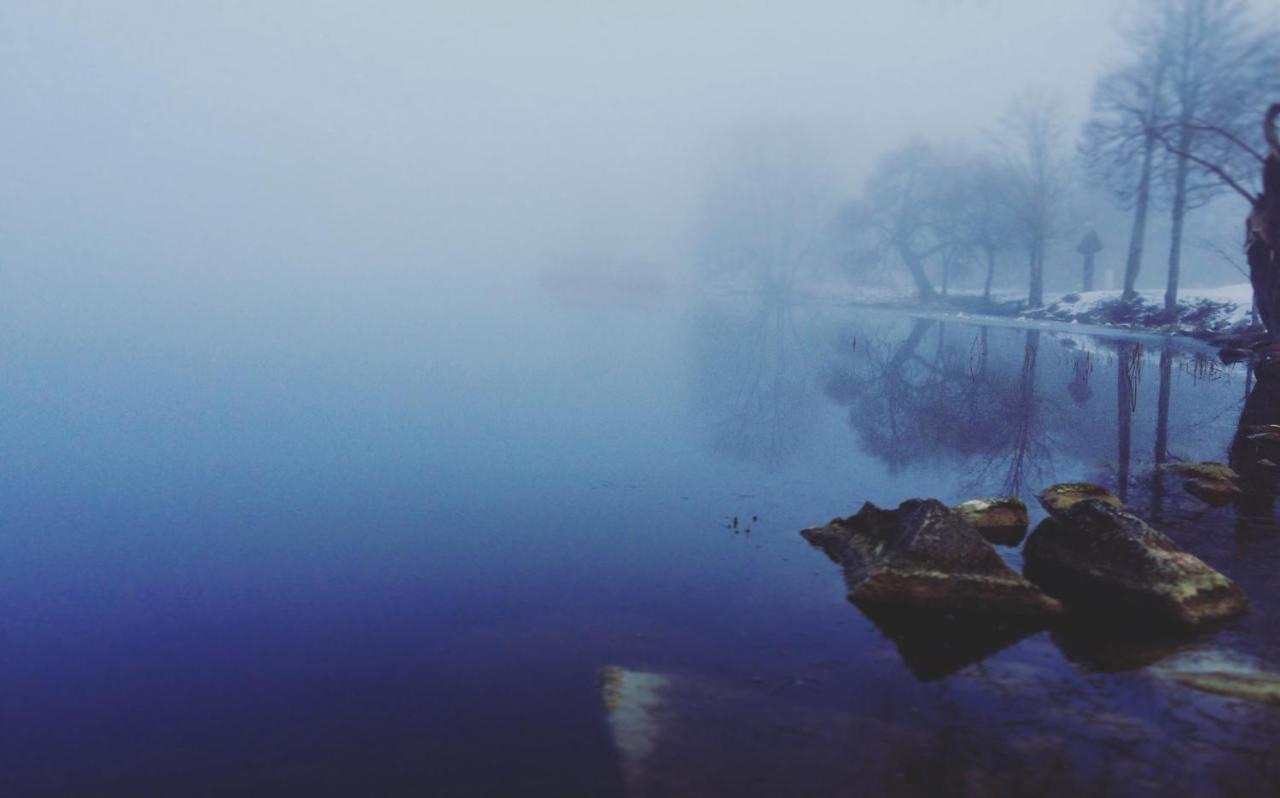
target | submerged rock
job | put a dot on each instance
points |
(683, 733)
(1224, 673)
(1060, 497)
(924, 556)
(1260, 687)
(1098, 556)
(1212, 483)
(1002, 521)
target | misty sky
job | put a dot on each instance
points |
(391, 138)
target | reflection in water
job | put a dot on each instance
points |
(1161, 454)
(1128, 375)
(1255, 450)
(1082, 370)
(755, 380)
(920, 408)
(954, 406)
(1030, 449)
(933, 645)
(1015, 410)
(689, 734)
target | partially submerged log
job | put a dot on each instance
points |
(1096, 556)
(924, 556)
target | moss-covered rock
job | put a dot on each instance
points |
(1212, 483)
(1000, 520)
(924, 555)
(1099, 557)
(1061, 497)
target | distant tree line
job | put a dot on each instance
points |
(1173, 125)
(1180, 120)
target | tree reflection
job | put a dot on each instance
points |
(1161, 454)
(956, 405)
(1081, 372)
(1128, 375)
(755, 380)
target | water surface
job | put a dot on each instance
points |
(315, 549)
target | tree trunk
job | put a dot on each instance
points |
(1137, 237)
(924, 288)
(991, 276)
(1088, 272)
(1264, 274)
(1178, 214)
(1035, 296)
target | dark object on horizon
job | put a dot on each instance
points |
(1096, 556)
(1089, 247)
(924, 556)
(1262, 231)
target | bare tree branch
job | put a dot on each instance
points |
(1212, 167)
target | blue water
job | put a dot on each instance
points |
(385, 545)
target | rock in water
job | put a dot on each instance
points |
(1224, 673)
(1002, 521)
(1263, 688)
(1211, 483)
(924, 556)
(1057, 498)
(1099, 556)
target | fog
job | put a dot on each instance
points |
(327, 146)
(424, 397)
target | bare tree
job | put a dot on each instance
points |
(897, 218)
(989, 225)
(1033, 134)
(933, 216)
(1120, 145)
(766, 214)
(1220, 59)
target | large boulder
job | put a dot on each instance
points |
(924, 556)
(1095, 555)
(1002, 521)
(1061, 497)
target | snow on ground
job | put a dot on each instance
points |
(1205, 312)
(1201, 310)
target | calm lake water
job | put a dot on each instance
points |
(425, 551)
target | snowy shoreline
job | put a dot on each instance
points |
(1205, 314)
